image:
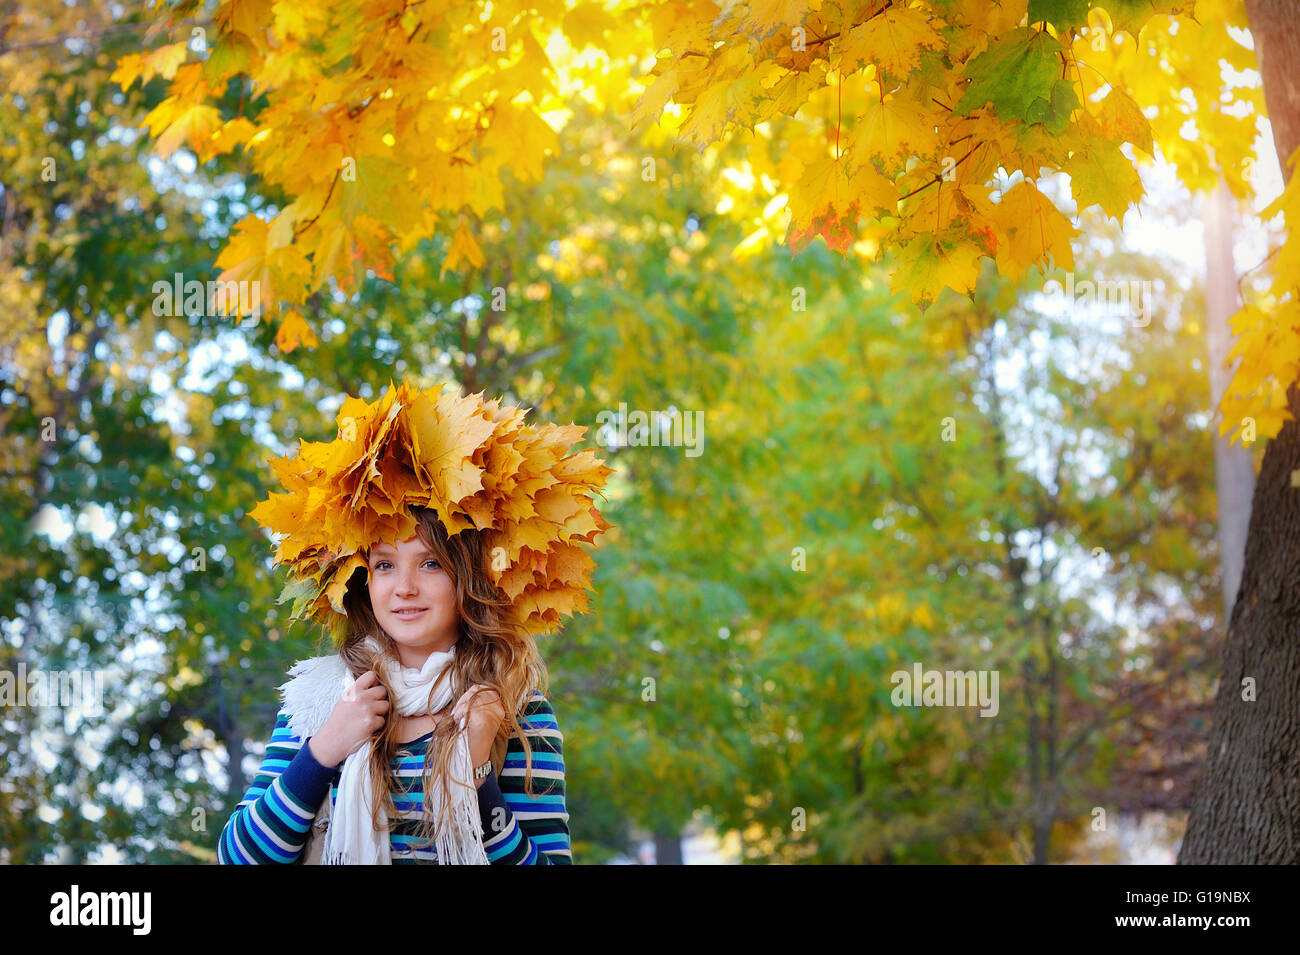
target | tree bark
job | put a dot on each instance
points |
(1247, 805)
(1276, 30)
(668, 848)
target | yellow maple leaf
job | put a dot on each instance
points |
(463, 249)
(192, 126)
(929, 264)
(1101, 175)
(569, 563)
(535, 532)
(1268, 344)
(244, 260)
(294, 331)
(936, 208)
(828, 200)
(789, 90)
(894, 128)
(440, 452)
(581, 468)
(892, 41)
(557, 505)
(339, 585)
(523, 139)
(128, 70)
(1121, 118)
(330, 248)
(656, 95)
(765, 17)
(248, 17)
(164, 60)
(1034, 227)
(724, 102)
(236, 132)
(145, 66)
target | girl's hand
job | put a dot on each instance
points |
(356, 717)
(486, 713)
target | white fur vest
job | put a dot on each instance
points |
(309, 697)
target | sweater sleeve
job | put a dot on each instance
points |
(519, 829)
(269, 826)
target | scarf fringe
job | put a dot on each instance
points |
(462, 842)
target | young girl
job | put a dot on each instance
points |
(428, 737)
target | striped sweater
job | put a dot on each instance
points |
(270, 824)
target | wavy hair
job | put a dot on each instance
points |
(492, 648)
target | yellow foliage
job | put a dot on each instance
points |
(920, 126)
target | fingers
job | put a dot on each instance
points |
(488, 698)
(469, 698)
(368, 687)
(473, 692)
(479, 698)
(367, 690)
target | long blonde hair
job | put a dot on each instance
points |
(492, 649)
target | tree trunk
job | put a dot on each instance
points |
(229, 733)
(1247, 805)
(1234, 466)
(1276, 30)
(668, 848)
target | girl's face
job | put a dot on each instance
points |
(409, 576)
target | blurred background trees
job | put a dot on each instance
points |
(1004, 484)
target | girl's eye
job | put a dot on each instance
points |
(380, 565)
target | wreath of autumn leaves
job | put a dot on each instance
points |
(476, 463)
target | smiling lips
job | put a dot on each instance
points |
(407, 613)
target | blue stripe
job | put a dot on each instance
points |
(232, 851)
(236, 853)
(288, 811)
(539, 721)
(540, 760)
(257, 837)
(508, 844)
(521, 801)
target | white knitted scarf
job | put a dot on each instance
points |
(351, 837)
